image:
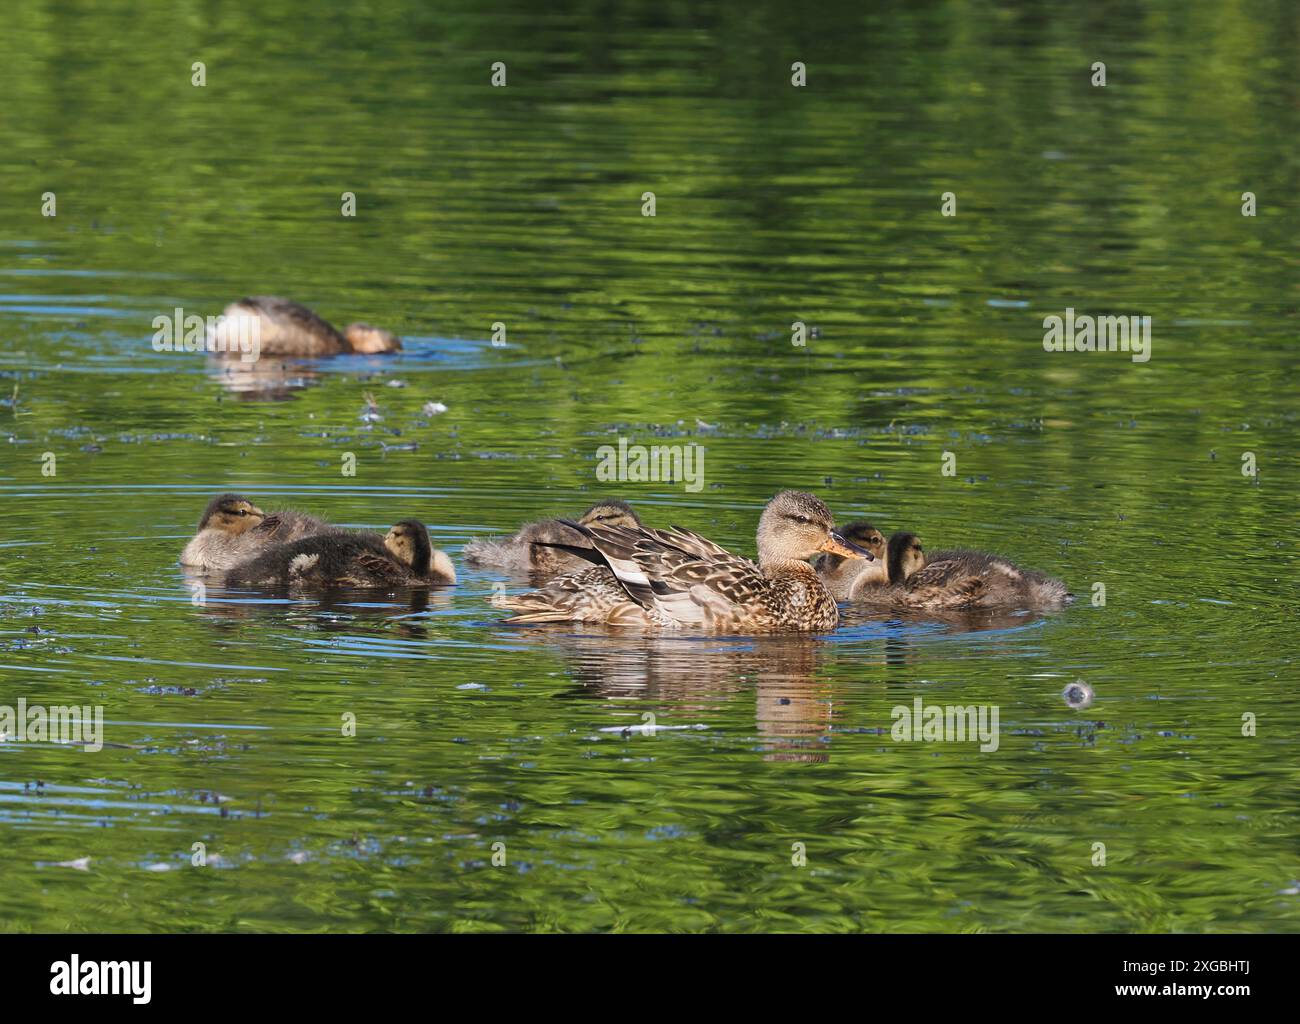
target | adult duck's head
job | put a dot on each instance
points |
(906, 556)
(796, 525)
(611, 512)
(231, 513)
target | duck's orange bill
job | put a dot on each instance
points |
(837, 545)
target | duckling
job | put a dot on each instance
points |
(286, 328)
(841, 574)
(403, 558)
(1003, 583)
(676, 578)
(958, 580)
(233, 530)
(528, 550)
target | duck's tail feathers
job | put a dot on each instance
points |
(442, 567)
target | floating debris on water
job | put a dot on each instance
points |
(649, 729)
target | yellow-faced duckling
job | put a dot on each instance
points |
(676, 578)
(234, 530)
(958, 580)
(403, 558)
(841, 574)
(286, 328)
(528, 552)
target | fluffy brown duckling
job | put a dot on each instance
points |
(528, 552)
(233, 530)
(958, 580)
(405, 557)
(678, 579)
(286, 328)
(841, 574)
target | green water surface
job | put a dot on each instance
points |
(786, 805)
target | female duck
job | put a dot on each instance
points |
(404, 558)
(234, 530)
(841, 574)
(958, 580)
(285, 328)
(530, 549)
(675, 578)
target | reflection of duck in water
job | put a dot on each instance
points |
(688, 680)
(957, 580)
(285, 328)
(403, 558)
(675, 578)
(365, 612)
(531, 550)
(234, 530)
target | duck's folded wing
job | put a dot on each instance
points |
(687, 586)
(692, 543)
(946, 583)
(676, 573)
(381, 566)
(939, 571)
(976, 562)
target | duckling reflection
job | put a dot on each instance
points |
(528, 551)
(952, 620)
(337, 610)
(266, 380)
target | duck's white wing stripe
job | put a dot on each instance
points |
(628, 571)
(682, 606)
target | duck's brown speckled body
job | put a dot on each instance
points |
(671, 579)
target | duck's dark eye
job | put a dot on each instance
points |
(242, 511)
